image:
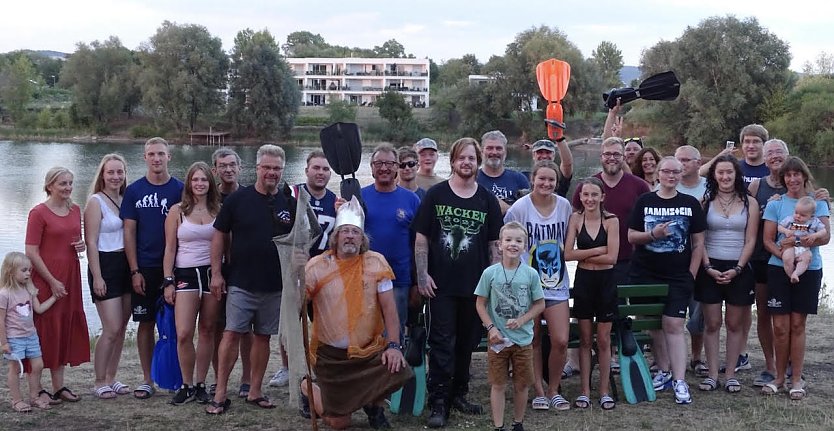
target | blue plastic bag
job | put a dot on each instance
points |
(165, 366)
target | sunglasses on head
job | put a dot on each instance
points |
(637, 141)
(409, 164)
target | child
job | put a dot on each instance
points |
(801, 225)
(18, 338)
(509, 297)
(593, 239)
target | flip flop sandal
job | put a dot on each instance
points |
(708, 384)
(540, 403)
(120, 388)
(559, 402)
(732, 386)
(41, 403)
(21, 406)
(582, 402)
(144, 391)
(568, 371)
(797, 394)
(615, 367)
(770, 389)
(105, 393)
(51, 399)
(262, 402)
(218, 408)
(67, 395)
(243, 392)
(606, 402)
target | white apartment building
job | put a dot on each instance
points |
(359, 81)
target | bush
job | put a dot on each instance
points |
(44, 120)
(144, 131)
(28, 121)
(61, 119)
(340, 110)
(311, 121)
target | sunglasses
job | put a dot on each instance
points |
(409, 164)
(635, 140)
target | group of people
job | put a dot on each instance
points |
(485, 249)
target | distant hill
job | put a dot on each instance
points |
(628, 74)
(55, 54)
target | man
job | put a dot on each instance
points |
(693, 185)
(226, 167)
(545, 149)
(426, 149)
(252, 215)
(753, 137)
(144, 208)
(457, 231)
(389, 223)
(323, 202)
(502, 182)
(351, 291)
(667, 230)
(407, 174)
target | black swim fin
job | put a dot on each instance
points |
(635, 376)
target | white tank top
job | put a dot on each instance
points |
(194, 244)
(724, 237)
(111, 232)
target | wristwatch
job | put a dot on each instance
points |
(134, 272)
(394, 345)
(168, 281)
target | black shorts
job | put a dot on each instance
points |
(595, 295)
(759, 271)
(192, 279)
(681, 286)
(116, 274)
(145, 306)
(740, 291)
(784, 297)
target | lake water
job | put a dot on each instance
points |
(21, 181)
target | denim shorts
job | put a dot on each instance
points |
(27, 347)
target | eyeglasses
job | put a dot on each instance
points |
(671, 171)
(409, 164)
(684, 160)
(612, 155)
(387, 164)
(773, 153)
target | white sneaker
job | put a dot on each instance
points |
(281, 378)
(662, 380)
(682, 392)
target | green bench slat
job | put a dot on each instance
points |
(641, 290)
(640, 310)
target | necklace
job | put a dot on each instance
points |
(727, 205)
(508, 283)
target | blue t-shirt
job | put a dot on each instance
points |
(325, 209)
(148, 204)
(387, 223)
(504, 186)
(510, 293)
(750, 172)
(779, 209)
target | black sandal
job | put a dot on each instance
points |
(213, 407)
(60, 394)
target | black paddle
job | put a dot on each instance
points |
(343, 148)
(663, 86)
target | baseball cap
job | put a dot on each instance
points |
(425, 144)
(544, 144)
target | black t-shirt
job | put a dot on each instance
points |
(459, 232)
(672, 254)
(253, 219)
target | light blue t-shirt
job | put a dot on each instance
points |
(509, 295)
(779, 209)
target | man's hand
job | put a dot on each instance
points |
(426, 286)
(394, 359)
(138, 282)
(217, 286)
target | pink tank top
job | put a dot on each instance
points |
(194, 244)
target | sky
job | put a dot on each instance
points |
(439, 30)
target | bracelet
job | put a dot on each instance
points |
(490, 326)
(134, 272)
(394, 345)
(738, 269)
(707, 267)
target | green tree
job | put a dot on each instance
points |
(263, 95)
(822, 65)
(99, 76)
(609, 60)
(300, 43)
(340, 110)
(184, 74)
(402, 127)
(390, 49)
(808, 122)
(19, 81)
(482, 107)
(727, 67)
(456, 70)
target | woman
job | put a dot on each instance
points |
(632, 147)
(597, 242)
(53, 241)
(189, 228)
(726, 275)
(645, 166)
(791, 303)
(108, 272)
(546, 216)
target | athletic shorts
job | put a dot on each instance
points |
(551, 302)
(521, 358)
(595, 295)
(258, 311)
(740, 291)
(145, 306)
(116, 274)
(759, 271)
(192, 279)
(676, 301)
(26, 347)
(784, 297)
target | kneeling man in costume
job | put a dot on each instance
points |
(350, 288)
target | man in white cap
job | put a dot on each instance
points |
(351, 290)
(426, 149)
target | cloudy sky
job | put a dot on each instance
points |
(427, 28)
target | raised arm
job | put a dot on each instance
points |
(565, 157)
(704, 169)
(613, 123)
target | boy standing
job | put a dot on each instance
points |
(509, 297)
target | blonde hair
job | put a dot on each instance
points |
(11, 262)
(513, 225)
(807, 204)
(98, 179)
(52, 176)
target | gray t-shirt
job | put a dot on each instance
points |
(510, 293)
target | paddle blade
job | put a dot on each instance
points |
(553, 77)
(663, 86)
(342, 146)
(554, 121)
(626, 95)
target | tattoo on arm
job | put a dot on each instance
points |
(421, 259)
